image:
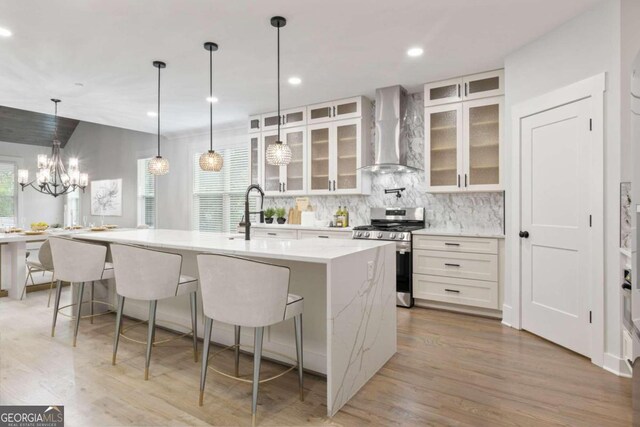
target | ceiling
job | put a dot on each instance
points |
(96, 55)
(28, 127)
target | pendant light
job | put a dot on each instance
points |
(211, 161)
(278, 153)
(159, 165)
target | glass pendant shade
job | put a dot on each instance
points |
(211, 161)
(278, 154)
(158, 166)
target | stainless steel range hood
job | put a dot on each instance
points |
(391, 144)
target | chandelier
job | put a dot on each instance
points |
(278, 154)
(52, 178)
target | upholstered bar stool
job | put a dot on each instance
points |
(44, 263)
(150, 275)
(76, 261)
(247, 293)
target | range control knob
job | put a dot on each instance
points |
(367, 234)
(400, 236)
(392, 235)
(380, 235)
(358, 233)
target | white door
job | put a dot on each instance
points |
(555, 237)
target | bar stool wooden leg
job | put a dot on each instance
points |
(56, 307)
(297, 320)
(91, 308)
(116, 340)
(194, 324)
(237, 349)
(150, 335)
(80, 294)
(206, 343)
(257, 356)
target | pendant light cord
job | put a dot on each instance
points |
(158, 111)
(279, 118)
(211, 100)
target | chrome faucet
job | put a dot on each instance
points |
(247, 214)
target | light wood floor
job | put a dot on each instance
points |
(450, 369)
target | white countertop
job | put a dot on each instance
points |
(320, 251)
(299, 227)
(21, 237)
(454, 233)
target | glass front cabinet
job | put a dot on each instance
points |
(466, 88)
(290, 179)
(463, 146)
(327, 151)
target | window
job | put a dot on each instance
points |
(73, 207)
(8, 194)
(218, 197)
(146, 194)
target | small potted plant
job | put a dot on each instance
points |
(268, 215)
(280, 213)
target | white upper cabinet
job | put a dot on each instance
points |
(335, 110)
(484, 85)
(466, 88)
(336, 154)
(464, 146)
(290, 179)
(329, 144)
(443, 92)
(254, 124)
(288, 118)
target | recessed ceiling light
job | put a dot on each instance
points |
(152, 114)
(5, 32)
(415, 51)
(295, 80)
(212, 99)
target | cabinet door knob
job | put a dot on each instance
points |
(524, 234)
(329, 185)
(334, 185)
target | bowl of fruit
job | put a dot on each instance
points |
(39, 226)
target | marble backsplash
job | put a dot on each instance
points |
(470, 212)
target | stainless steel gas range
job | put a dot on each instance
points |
(396, 224)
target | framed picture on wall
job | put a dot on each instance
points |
(106, 197)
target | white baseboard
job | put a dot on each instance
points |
(507, 312)
(616, 365)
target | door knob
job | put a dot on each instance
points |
(524, 234)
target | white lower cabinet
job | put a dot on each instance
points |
(274, 232)
(457, 270)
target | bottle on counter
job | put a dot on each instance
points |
(338, 217)
(345, 223)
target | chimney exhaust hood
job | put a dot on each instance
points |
(391, 143)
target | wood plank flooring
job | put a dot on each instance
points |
(450, 369)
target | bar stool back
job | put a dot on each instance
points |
(244, 292)
(75, 261)
(150, 275)
(44, 263)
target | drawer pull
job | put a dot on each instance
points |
(323, 237)
(452, 290)
(272, 234)
(451, 265)
(451, 244)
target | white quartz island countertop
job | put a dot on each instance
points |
(317, 251)
(349, 291)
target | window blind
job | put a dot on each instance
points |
(146, 194)
(8, 194)
(218, 197)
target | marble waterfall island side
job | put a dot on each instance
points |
(349, 293)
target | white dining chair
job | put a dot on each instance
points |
(77, 261)
(247, 293)
(150, 275)
(43, 264)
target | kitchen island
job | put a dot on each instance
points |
(349, 299)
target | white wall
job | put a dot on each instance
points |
(583, 47)
(107, 152)
(33, 206)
